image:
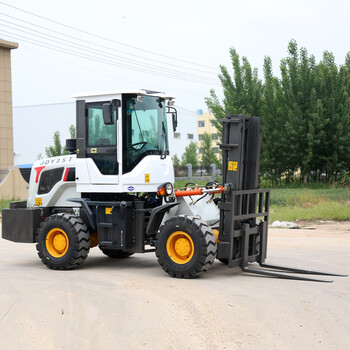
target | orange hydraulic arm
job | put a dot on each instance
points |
(198, 191)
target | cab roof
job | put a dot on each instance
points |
(117, 93)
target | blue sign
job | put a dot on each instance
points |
(131, 188)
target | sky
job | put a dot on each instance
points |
(70, 47)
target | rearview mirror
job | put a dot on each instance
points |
(107, 113)
(174, 121)
(173, 112)
(107, 110)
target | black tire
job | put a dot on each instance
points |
(71, 234)
(199, 246)
(116, 253)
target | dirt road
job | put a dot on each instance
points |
(133, 304)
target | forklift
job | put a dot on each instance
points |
(115, 190)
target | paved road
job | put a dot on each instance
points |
(133, 304)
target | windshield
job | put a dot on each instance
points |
(144, 129)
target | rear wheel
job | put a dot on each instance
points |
(63, 241)
(185, 246)
(116, 253)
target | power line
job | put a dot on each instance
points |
(179, 108)
(107, 39)
(95, 44)
(45, 104)
(102, 53)
(93, 58)
(110, 75)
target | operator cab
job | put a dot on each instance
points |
(122, 141)
(144, 129)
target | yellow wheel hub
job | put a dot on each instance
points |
(57, 242)
(180, 247)
(216, 234)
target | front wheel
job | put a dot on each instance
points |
(185, 246)
(63, 241)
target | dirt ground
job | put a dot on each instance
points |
(133, 304)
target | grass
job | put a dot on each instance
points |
(202, 181)
(289, 204)
(305, 202)
(302, 196)
(5, 203)
(329, 210)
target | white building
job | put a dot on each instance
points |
(34, 126)
(185, 133)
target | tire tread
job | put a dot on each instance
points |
(208, 247)
(80, 242)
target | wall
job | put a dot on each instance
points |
(209, 129)
(14, 186)
(34, 126)
(186, 126)
(6, 131)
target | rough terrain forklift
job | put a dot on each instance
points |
(115, 190)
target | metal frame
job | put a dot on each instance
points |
(247, 240)
(243, 240)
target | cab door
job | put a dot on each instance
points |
(97, 143)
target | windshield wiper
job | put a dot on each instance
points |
(163, 144)
(138, 123)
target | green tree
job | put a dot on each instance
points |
(176, 160)
(190, 155)
(272, 152)
(305, 113)
(208, 155)
(73, 131)
(242, 92)
(57, 149)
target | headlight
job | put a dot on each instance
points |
(165, 189)
(169, 188)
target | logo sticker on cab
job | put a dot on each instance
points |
(131, 188)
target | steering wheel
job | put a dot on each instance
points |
(137, 146)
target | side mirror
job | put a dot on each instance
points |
(107, 110)
(107, 113)
(173, 112)
(174, 115)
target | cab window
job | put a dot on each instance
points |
(100, 134)
(49, 179)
